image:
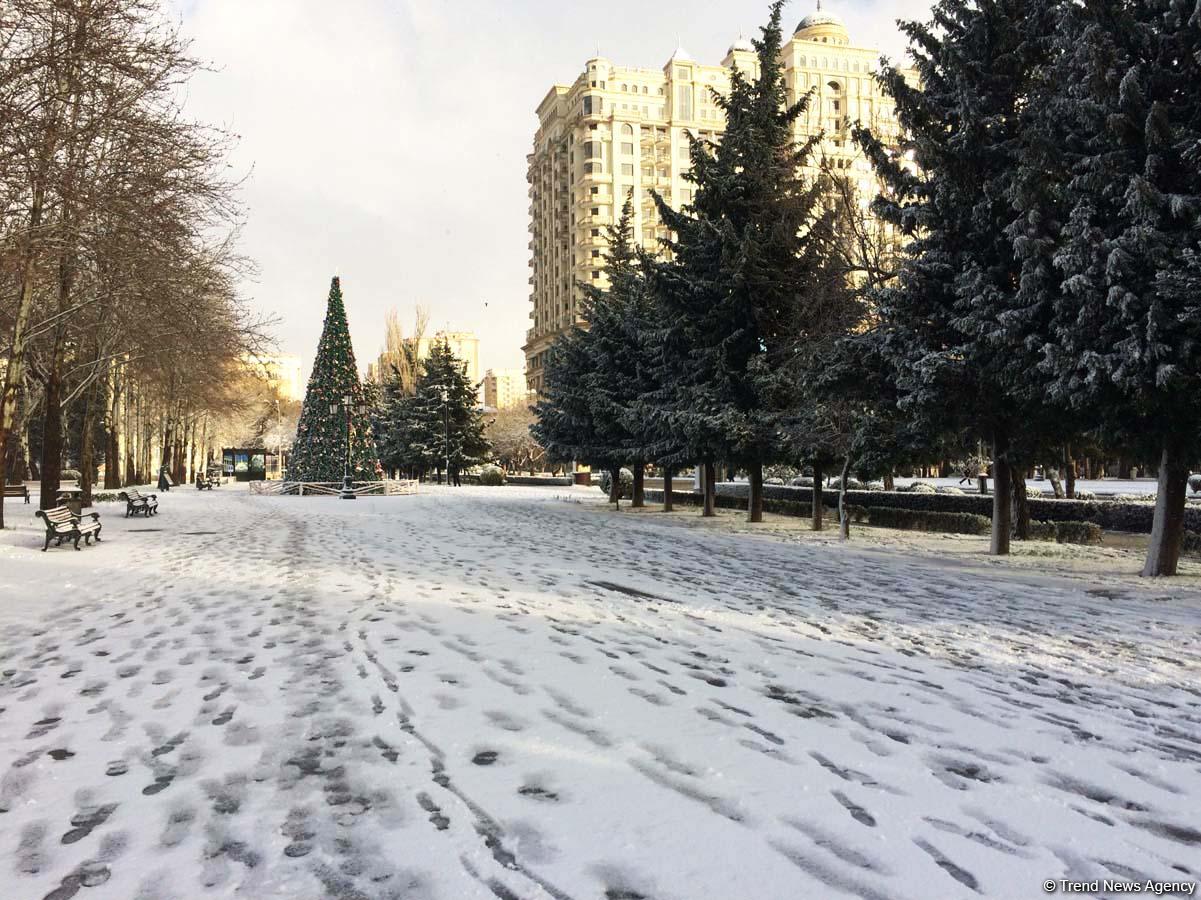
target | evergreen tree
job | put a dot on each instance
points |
(744, 253)
(952, 325)
(620, 318)
(566, 426)
(320, 450)
(1124, 346)
(596, 376)
(448, 425)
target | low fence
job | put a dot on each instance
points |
(389, 487)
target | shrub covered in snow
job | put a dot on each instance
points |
(784, 474)
(949, 489)
(874, 486)
(801, 481)
(922, 520)
(1194, 483)
(852, 484)
(1133, 498)
(627, 483)
(919, 487)
(1066, 532)
(492, 476)
(1085, 495)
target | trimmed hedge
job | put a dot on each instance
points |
(542, 480)
(1066, 532)
(921, 520)
(912, 519)
(1109, 515)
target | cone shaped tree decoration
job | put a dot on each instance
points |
(327, 421)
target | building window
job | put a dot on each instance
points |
(627, 128)
(627, 169)
(684, 101)
(595, 274)
(627, 148)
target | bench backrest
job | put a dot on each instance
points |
(14, 490)
(60, 515)
(133, 495)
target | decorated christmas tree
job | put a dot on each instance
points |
(319, 453)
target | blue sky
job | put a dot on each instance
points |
(385, 140)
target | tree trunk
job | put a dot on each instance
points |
(615, 487)
(709, 485)
(818, 506)
(1056, 484)
(87, 454)
(112, 428)
(844, 519)
(1167, 528)
(754, 504)
(14, 367)
(667, 478)
(52, 438)
(1069, 472)
(889, 483)
(1021, 510)
(639, 498)
(1001, 503)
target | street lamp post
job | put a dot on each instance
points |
(347, 485)
(446, 433)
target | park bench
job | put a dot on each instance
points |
(138, 503)
(64, 525)
(16, 490)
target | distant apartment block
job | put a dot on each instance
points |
(504, 388)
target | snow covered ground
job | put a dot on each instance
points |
(497, 693)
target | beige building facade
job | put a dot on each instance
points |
(619, 132)
(282, 372)
(463, 344)
(505, 388)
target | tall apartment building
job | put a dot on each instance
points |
(617, 132)
(504, 388)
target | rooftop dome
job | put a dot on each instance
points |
(742, 44)
(818, 25)
(681, 55)
(820, 18)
